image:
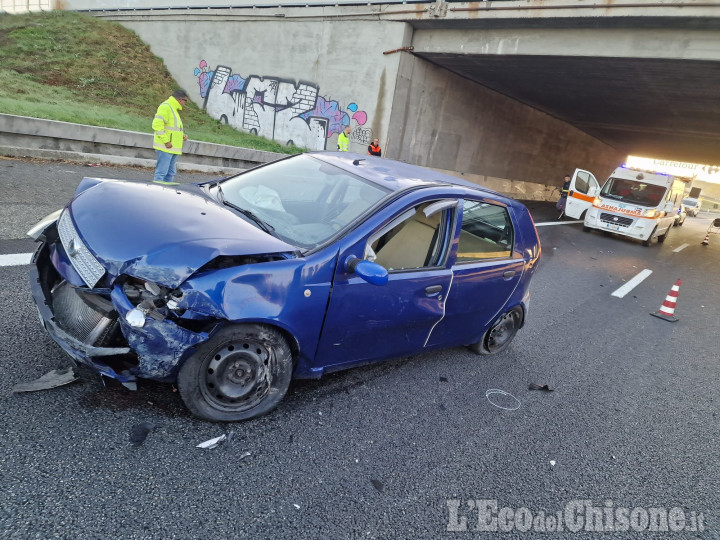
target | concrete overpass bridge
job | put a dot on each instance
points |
(511, 94)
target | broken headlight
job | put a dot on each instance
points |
(150, 300)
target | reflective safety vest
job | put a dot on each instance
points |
(343, 142)
(168, 127)
(374, 150)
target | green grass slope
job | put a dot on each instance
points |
(75, 68)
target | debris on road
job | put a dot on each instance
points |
(552, 462)
(213, 443)
(443, 379)
(53, 379)
(377, 484)
(513, 400)
(139, 433)
(544, 387)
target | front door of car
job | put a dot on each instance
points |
(367, 322)
(583, 190)
(486, 271)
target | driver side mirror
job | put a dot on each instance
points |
(669, 206)
(369, 271)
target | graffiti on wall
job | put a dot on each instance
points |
(287, 111)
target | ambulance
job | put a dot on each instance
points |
(632, 202)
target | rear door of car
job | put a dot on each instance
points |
(367, 322)
(583, 189)
(487, 267)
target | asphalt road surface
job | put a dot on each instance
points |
(411, 448)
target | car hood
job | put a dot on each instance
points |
(163, 233)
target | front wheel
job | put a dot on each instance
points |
(500, 334)
(242, 372)
(647, 242)
(663, 236)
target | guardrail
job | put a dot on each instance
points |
(47, 138)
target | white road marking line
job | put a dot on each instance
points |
(15, 259)
(558, 223)
(630, 285)
(680, 248)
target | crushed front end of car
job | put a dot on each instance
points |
(122, 326)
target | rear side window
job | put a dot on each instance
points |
(487, 232)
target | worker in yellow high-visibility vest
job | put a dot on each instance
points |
(169, 136)
(344, 140)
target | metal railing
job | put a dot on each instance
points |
(25, 6)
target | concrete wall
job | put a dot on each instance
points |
(655, 43)
(444, 121)
(304, 79)
(335, 73)
(288, 81)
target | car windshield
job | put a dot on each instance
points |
(301, 200)
(633, 192)
(690, 202)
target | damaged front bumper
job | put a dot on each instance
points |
(90, 324)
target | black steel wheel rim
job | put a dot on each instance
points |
(237, 376)
(502, 332)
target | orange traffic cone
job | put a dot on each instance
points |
(706, 241)
(667, 309)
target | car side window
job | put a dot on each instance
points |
(416, 239)
(486, 233)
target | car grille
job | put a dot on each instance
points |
(83, 261)
(616, 220)
(80, 320)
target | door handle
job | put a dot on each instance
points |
(508, 274)
(433, 290)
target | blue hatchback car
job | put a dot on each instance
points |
(307, 265)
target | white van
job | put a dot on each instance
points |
(634, 203)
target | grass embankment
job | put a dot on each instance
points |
(76, 68)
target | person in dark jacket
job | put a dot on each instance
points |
(560, 205)
(374, 148)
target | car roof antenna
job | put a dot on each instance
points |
(357, 161)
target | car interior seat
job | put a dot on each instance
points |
(412, 243)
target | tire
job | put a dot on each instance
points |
(242, 372)
(500, 334)
(647, 242)
(663, 236)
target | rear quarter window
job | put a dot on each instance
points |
(487, 232)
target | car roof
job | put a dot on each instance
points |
(394, 175)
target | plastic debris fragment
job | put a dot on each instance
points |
(139, 433)
(543, 387)
(213, 443)
(53, 379)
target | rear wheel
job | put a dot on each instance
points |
(500, 334)
(241, 372)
